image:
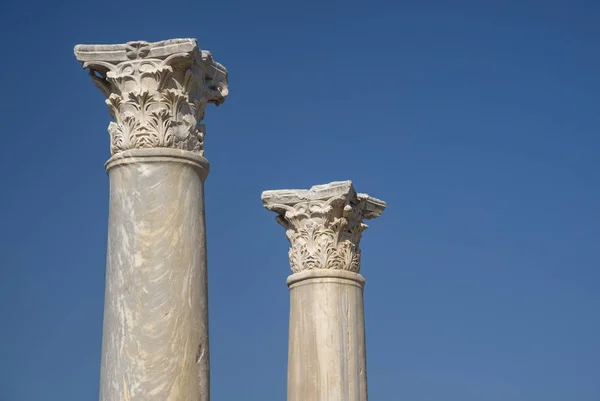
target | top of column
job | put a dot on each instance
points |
(156, 92)
(323, 224)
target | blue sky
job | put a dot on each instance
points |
(477, 122)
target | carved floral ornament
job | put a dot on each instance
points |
(324, 224)
(156, 92)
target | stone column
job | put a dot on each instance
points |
(327, 356)
(155, 334)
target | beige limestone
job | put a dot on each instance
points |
(327, 354)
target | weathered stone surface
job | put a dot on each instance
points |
(327, 354)
(324, 224)
(155, 337)
(156, 92)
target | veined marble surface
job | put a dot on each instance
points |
(155, 337)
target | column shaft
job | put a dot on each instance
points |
(155, 335)
(327, 358)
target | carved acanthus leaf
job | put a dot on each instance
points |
(156, 92)
(324, 224)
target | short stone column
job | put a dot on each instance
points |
(327, 355)
(155, 334)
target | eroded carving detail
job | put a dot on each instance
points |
(324, 224)
(156, 92)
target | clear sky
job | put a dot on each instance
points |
(478, 122)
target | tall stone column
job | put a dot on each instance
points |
(155, 334)
(327, 355)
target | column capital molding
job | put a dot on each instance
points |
(323, 224)
(156, 92)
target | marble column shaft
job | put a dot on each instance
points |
(155, 335)
(327, 353)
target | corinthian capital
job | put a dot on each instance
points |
(323, 224)
(156, 92)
